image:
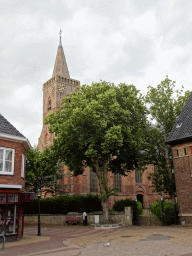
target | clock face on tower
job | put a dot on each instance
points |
(62, 88)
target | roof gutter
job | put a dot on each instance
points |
(22, 140)
(178, 141)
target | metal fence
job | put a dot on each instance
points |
(168, 217)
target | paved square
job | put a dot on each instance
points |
(85, 241)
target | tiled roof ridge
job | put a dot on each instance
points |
(182, 128)
(7, 128)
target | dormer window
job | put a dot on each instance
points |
(178, 123)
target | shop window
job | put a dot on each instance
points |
(117, 181)
(93, 182)
(138, 177)
(8, 219)
(23, 166)
(7, 161)
(12, 198)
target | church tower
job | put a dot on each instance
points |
(54, 90)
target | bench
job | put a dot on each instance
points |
(73, 219)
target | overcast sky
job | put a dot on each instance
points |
(137, 42)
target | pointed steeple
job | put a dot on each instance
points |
(60, 67)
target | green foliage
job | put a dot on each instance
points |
(121, 204)
(102, 120)
(168, 209)
(102, 128)
(65, 204)
(140, 207)
(43, 172)
(165, 105)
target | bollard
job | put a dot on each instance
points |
(84, 219)
(137, 214)
(3, 246)
(163, 213)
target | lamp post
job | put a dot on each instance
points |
(39, 221)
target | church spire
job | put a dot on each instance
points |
(60, 67)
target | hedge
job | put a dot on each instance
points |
(64, 204)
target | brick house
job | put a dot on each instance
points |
(133, 186)
(180, 139)
(13, 146)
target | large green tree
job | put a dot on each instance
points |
(100, 126)
(165, 105)
(43, 171)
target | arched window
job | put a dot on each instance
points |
(93, 181)
(117, 181)
(49, 103)
(138, 177)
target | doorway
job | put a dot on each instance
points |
(140, 198)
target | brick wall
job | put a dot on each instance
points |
(16, 178)
(182, 154)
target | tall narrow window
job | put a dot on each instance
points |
(23, 166)
(7, 161)
(117, 181)
(93, 182)
(49, 103)
(138, 177)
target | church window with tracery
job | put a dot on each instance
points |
(117, 181)
(138, 177)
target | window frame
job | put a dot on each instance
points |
(117, 182)
(23, 166)
(138, 177)
(12, 160)
(93, 181)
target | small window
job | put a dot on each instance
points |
(2, 198)
(23, 166)
(185, 151)
(12, 198)
(138, 177)
(117, 181)
(178, 125)
(7, 161)
(177, 152)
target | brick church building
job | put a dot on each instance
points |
(133, 186)
(180, 139)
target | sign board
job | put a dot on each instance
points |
(96, 219)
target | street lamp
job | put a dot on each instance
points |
(39, 221)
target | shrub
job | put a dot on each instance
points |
(121, 204)
(64, 204)
(168, 209)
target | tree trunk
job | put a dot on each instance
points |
(105, 206)
(103, 190)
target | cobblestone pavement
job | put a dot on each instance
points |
(85, 241)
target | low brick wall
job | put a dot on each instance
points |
(115, 217)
